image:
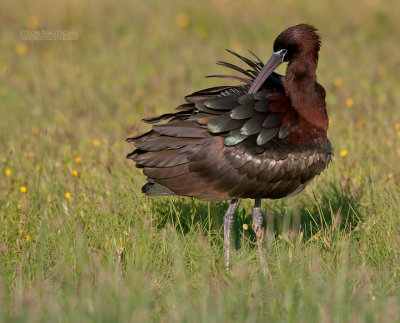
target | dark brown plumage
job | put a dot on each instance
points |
(266, 138)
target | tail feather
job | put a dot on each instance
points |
(155, 189)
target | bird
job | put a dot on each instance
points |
(265, 138)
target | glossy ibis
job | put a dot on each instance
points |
(264, 138)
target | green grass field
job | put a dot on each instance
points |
(78, 240)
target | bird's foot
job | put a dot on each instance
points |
(259, 230)
(228, 224)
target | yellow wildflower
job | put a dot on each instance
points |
(78, 159)
(337, 81)
(35, 130)
(28, 238)
(349, 102)
(360, 123)
(236, 45)
(182, 20)
(68, 195)
(8, 172)
(96, 142)
(343, 153)
(201, 33)
(245, 226)
(397, 126)
(382, 70)
(139, 92)
(20, 48)
(3, 70)
(388, 234)
(32, 22)
(23, 189)
(74, 173)
(20, 231)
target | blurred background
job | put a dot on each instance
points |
(132, 59)
(70, 202)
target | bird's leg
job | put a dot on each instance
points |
(228, 224)
(258, 229)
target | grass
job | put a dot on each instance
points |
(83, 244)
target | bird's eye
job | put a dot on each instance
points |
(287, 56)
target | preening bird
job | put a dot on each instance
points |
(263, 139)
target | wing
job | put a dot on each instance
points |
(263, 116)
(208, 169)
(246, 171)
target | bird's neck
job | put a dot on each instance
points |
(306, 95)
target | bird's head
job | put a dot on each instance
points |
(295, 43)
(298, 41)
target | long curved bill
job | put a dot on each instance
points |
(275, 60)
